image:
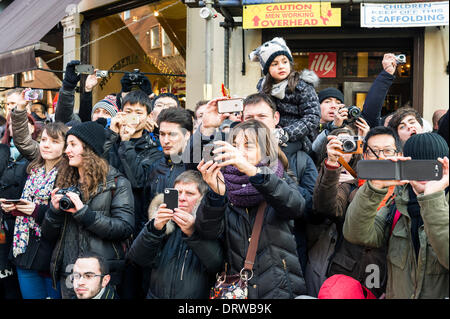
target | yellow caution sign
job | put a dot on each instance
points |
(291, 15)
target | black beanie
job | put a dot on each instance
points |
(91, 133)
(331, 92)
(425, 146)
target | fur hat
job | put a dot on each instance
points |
(268, 51)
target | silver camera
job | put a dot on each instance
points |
(400, 59)
(101, 74)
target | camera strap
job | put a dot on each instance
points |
(347, 167)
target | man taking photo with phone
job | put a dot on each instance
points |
(182, 264)
(413, 224)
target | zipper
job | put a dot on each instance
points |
(287, 277)
(117, 253)
(184, 261)
(57, 253)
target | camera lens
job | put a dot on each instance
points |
(348, 146)
(65, 203)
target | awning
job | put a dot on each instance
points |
(22, 25)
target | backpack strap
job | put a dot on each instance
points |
(396, 218)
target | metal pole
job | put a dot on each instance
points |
(208, 46)
(226, 57)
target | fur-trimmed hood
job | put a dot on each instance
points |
(310, 77)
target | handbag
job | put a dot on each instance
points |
(235, 286)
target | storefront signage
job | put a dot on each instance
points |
(323, 64)
(390, 15)
(290, 15)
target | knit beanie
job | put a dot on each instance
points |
(109, 104)
(91, 133)
(425, 146)
(330, 92)
(268, 51)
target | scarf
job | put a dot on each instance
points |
(279, 89)
(38, 188)
(240, 191)
(416, 219)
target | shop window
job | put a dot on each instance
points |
(154, 37)
(28, 76)
(167, 46)
(126, 14)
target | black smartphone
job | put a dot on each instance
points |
(84, 69)
(413, 170)
(14, 201)
(171, 198)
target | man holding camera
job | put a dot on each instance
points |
(334, 114)
(414, 224)
(182, 264)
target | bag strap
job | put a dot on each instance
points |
(254, 239)
(396, 218)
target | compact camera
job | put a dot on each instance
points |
(351, 144)
(354, 113)
(135, 77)
(33, 94)
(66, 203)
(400, 59)
(101, 73)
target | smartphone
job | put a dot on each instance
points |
(171, 198)
(101, 73)
(132, 119)
(33, 94)
(14, 201)
(230, 105)
(84, 69)
(207, 153)
(413, 170)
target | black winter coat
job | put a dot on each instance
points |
(126, 156)
(182, 267)
(277, 271)
(13, 175)
(101, 227)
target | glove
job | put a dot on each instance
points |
(126, 83)
(282, 136)
(146, 86)
(71, 78)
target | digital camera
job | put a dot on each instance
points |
(101, 73)
(354, 113)
(351, 144)
(33, 94)
(400, 58)
(135, 77)
(66, 203)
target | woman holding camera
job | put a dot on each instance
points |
(253, 170)
(30, 252)
(329, 253)
(92, 207)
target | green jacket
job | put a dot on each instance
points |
(428, 277)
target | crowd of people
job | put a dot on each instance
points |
(83, 212)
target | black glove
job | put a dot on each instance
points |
(126, 83)
(71, 78)
(146, 86)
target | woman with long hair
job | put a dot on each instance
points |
(30, 253)
(92, 207)
(247, 170)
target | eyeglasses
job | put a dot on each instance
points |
(87, 276)
(388, 152)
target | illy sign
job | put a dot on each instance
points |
(323, 63)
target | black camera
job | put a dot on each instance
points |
(66, 203)
(353, 113)
(135, 77)
(351, 144)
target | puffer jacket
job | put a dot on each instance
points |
(331, 254)
(277, 271)
(101, 226)
(182, 267)
(300, 110)
(28, 147)
(408, 278)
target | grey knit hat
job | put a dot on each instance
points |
(268, 51)
(108, 103)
